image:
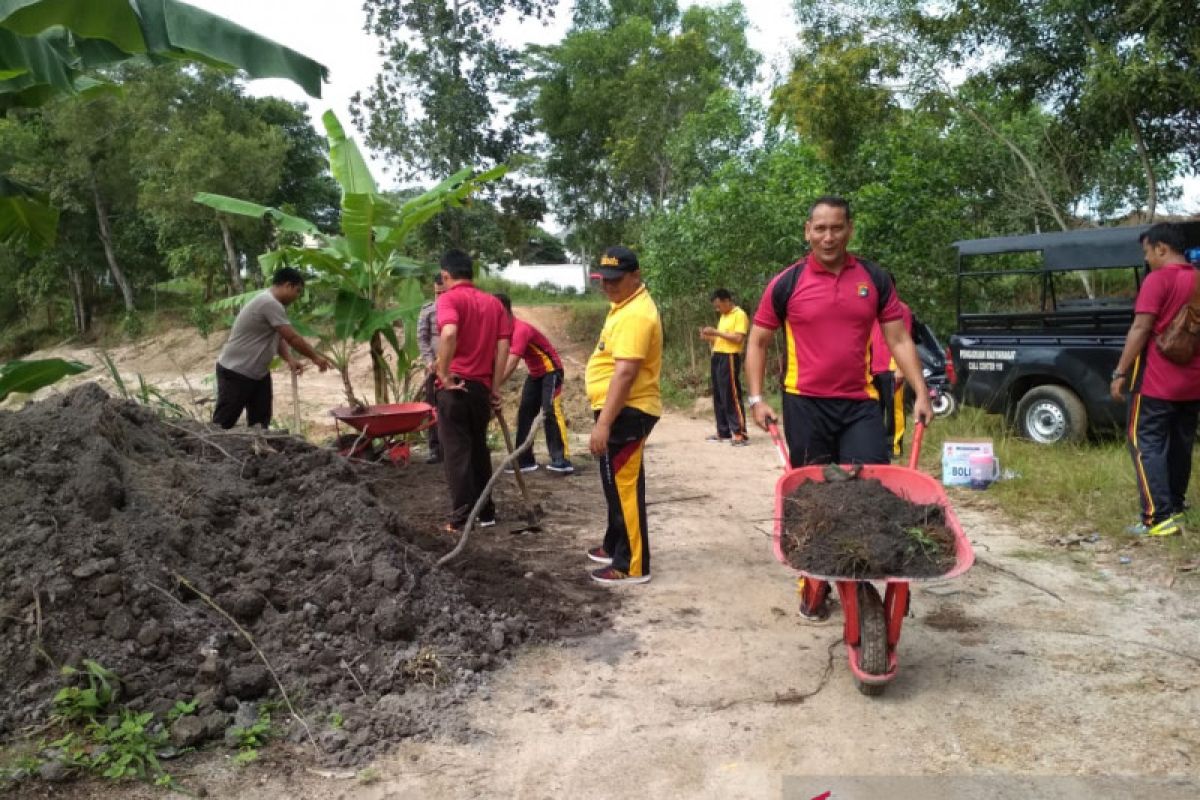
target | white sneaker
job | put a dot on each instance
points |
(529, 468)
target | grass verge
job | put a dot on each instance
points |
(1065, 489)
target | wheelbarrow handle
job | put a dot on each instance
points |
(780, 444)
(918, 435)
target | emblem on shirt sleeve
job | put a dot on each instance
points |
(863, 291)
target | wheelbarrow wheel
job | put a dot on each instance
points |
(872, 650)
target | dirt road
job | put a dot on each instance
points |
(1038, 662)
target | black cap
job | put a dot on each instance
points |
(616, 262)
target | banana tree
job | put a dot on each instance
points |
(366, 281)
(48, 47)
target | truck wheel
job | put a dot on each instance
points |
(1050, 414)
(944, 405)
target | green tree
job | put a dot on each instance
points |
(305, 187)
(368, 281)
(86, 153)
(49, 47)
(433, 108)
(638, 104)
(210, 139)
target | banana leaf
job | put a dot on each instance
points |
(237, 301)
(27, 220)
(244, 208)
(346, 161)
(349, 311)
(29, 376)
(166, 28)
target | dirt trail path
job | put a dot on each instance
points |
(682, 697)
(695, 690)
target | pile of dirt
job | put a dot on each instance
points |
(110, 515)
(858, 529)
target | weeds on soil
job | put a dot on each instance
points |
(96, 736)
(253, 737)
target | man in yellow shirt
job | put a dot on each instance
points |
(622, 386)
(728, 340)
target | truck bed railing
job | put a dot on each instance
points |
(1094, 320)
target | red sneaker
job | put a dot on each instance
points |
(599, 555)
(614, 576)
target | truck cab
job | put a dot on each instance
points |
(1042, 320)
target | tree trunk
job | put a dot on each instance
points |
(231, 259)
(379, 368)
(109, 253)
(1148, 166)
(79, 308)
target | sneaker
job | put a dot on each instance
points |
(715, 439)
(434, 458)
(599, 555)
(1168, 527)
(561, 467)
(524, 468)
(486, 523)
(614, 576)
(740, 441)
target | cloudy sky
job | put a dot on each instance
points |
(331, 31)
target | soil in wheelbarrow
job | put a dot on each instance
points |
(106, 510)
(859, 529)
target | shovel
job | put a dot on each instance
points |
(295, 402)
(534, 510)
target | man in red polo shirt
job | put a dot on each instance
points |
(1164, 397)
(543, 389)
(474, 332)
(830, 405)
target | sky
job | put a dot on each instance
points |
(331, 31)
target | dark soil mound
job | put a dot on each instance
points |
(104, 507)
(859, 529)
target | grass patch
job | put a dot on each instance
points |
(1066, 489)
(541, 295)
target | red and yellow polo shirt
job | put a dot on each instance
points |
(828, 330)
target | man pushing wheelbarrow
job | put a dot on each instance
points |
(827, 304)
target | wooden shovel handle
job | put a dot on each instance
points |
(516, 465)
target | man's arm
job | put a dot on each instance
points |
(709, 333)
(447, 344)
(510, 367)
(499, 372)
(618, 393)
(756, 371)
(1135, 342)
(288, 334)
(905, 354)
(285, 353)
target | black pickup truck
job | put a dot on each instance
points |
(1041, 323)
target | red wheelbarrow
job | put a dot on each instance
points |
(388, 424)
(872, 624)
